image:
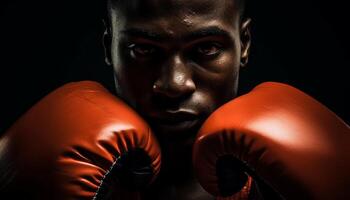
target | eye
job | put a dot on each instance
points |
(208, 49)
(141, 50)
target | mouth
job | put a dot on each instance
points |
(179, 121)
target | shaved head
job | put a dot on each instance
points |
(238, 5)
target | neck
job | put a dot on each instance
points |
(177, 180)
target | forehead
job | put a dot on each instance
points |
(174, 13)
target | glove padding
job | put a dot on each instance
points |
(281, 136)
(79, 142)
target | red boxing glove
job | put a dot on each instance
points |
(277, 135)
(79, 142)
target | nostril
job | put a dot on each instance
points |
(175, 79)
(178, 87)
(162, 101)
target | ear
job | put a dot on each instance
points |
(245, 41)
(106, 42)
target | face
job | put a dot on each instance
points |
(176, 61)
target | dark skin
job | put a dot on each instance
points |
(175, 62)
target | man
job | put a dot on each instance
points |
(175, 62)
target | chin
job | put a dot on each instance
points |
(182, 133)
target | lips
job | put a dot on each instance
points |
(175, 121)
(173, 117)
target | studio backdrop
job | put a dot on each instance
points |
(45, 44)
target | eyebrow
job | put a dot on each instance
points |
(208, 32)
(137, 32)
(200, 33)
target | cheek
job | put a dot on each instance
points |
(133, 81)
(134, 85)
(221, 72)
(228, 65)
(218, 82)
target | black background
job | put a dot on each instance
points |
(47, 43)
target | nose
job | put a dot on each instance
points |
(175, 79)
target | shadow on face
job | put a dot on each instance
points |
(175, 61)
